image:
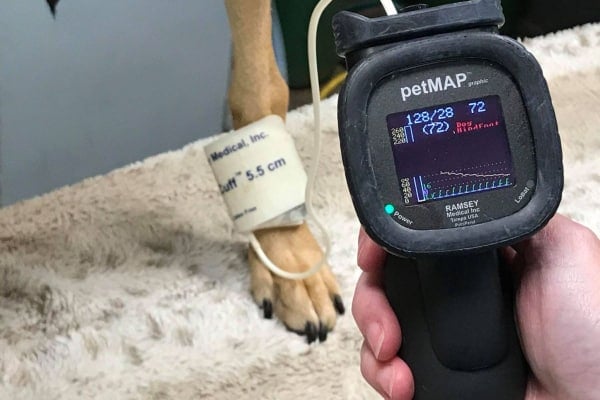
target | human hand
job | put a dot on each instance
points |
(557, 275)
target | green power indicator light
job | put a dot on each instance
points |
(390, 209)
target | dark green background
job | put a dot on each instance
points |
(524, 18)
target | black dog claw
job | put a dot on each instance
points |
(322, 332)
(267, 307)
(339, 304)
(311, 332)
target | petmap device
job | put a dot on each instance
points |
(451, 151)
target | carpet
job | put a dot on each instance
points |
(133, 285)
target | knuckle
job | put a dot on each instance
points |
(582, 235)
(586, 234)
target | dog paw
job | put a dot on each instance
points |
(308, 307)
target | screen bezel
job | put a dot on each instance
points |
(358, 158)
(430, 215)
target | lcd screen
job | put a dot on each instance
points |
(451, 150)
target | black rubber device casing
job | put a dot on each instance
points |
(447, 286)
(377, 48)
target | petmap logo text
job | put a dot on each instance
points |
(438, 84)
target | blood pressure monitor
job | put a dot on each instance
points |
(451, 151)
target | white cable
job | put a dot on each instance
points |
(390, 9)
(312, 173)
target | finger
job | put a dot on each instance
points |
(392, 379)
(370, 255)
(381, 329)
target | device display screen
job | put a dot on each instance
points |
(451, 150)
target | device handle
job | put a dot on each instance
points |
(458, 329)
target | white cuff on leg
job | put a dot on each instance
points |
(260, 175)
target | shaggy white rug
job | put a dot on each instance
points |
(134, 286)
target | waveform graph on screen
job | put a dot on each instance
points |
(453, 183)
(451, 150)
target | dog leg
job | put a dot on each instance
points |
(257, 89)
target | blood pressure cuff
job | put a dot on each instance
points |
(260, 175)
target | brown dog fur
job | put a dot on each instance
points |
(257, 89)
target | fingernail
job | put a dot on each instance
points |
(360, 249)
(361, 238)
(386, 380)
(375, 338)
(360, 259)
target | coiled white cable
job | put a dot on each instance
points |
(390, 9)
